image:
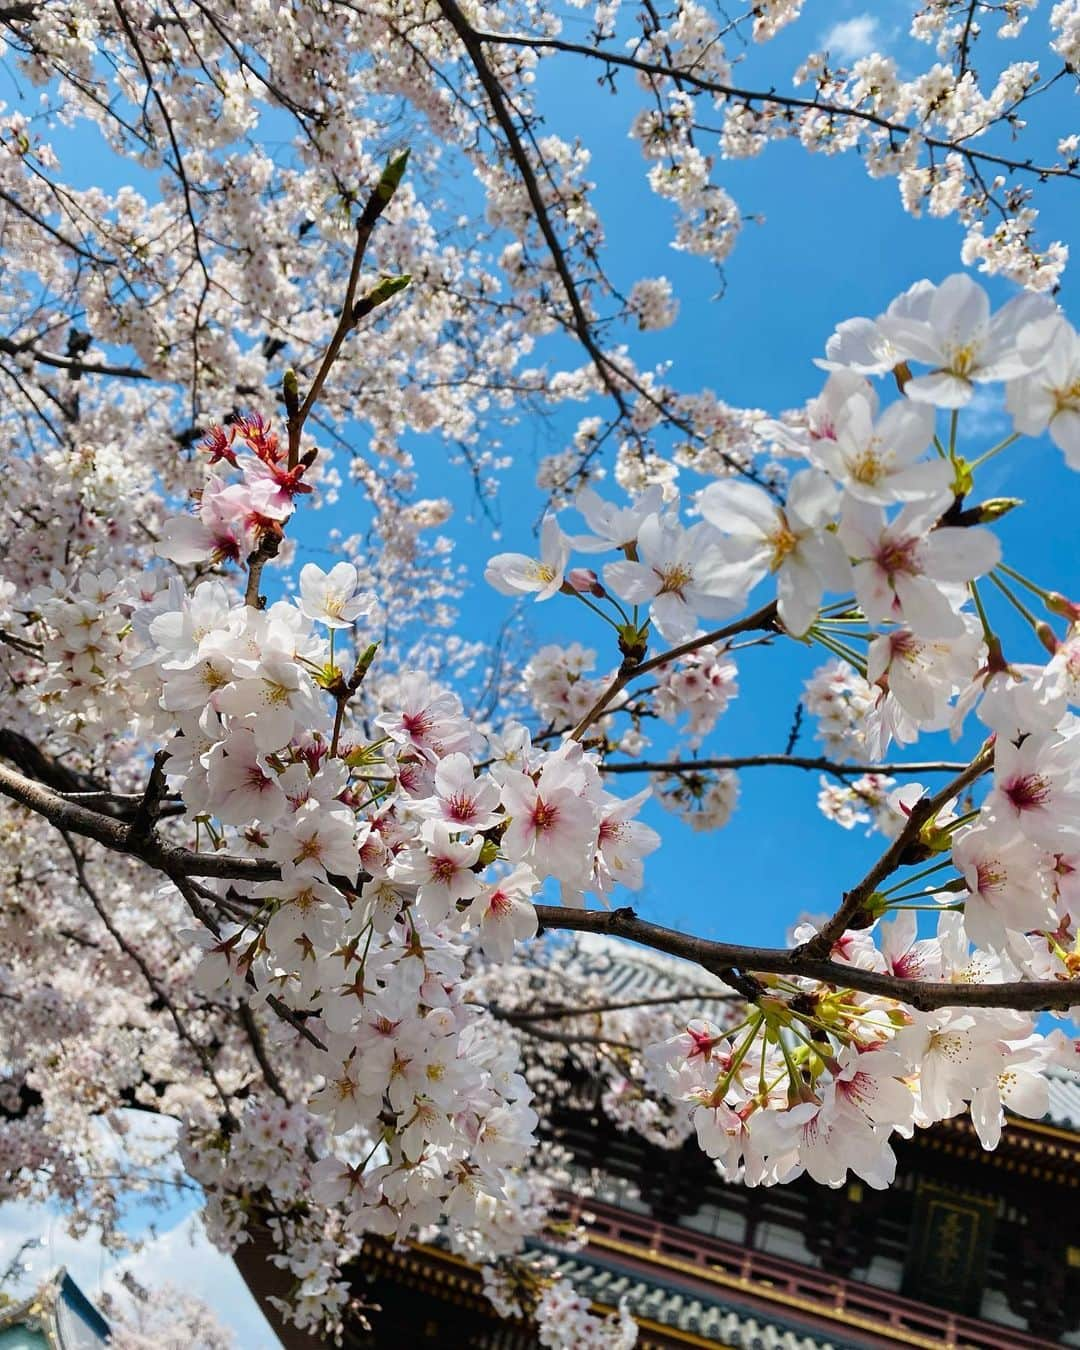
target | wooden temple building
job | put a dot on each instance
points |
(968, 1249)
(56, 1316)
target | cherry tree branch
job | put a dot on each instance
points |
(723, 957)
(686, 76)
(117, 836)
(819, 762)
(613, 378)
(631, 668)
(735, 964)
(922, 813)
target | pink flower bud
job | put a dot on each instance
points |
(584, 579)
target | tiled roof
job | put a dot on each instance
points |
(639, 972)
(1064, 1109)
(709, 1318)
(62, 1313)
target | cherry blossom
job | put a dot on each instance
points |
(682, 575)
(511, 573)
(952, 331)
(790, 541)
(902, 566)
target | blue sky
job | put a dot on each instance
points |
(832, 244)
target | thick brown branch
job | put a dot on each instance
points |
(718, 957)
(115, 835)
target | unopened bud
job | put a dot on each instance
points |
(392, 176)
(996, 507)
(585, 581)
(363, 665)
(379, 294)
(290, 389)
(1047, 636)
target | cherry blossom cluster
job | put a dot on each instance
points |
(818, 1081)
(237, 518)
(700, 686)
(384, 853)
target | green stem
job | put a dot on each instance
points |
(930, 909)
(1023, 580)
(918, 876)
(1013, 600)
(988, 632)
(838, 649)
(740, 1054)
(597, 610)
(994, 450)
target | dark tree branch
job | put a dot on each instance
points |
(718, 957)
(764, 618)
(925, 810)
(748, 96)
(819, 762)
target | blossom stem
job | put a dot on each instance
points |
(597, 610)
(763, 618)
(960, 820)
(841, 606)
(1014, 600)
(839, 649)
(1040, 591)
(794, 1077)
(994, 450)
(929, 909)
(918, 876)
(740, 1054)
(988, 632)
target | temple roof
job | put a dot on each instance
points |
(712, 1319)
(58, 1316)
(1064, 1100)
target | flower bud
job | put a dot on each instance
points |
(995, 507)
(1047, 637)
(585, 581)
(1057, 603)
